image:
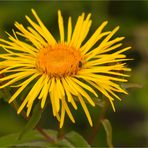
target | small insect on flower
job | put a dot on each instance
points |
(68, 71)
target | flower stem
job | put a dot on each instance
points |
(47, 137)
(96, 127)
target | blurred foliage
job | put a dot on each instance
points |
(35, 139)
(130, 122)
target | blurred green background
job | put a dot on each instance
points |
(130, 121)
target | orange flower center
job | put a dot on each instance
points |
(59, 60)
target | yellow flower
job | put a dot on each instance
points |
(63, 72)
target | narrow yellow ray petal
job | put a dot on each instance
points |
(109, 49)
(18, 59)
(60, 87)
(42, 31)
(62, 116)
(85, 110)
(84, 86)
(17, 64)
(122, 50)
(52, 84)
(111, 92)
(81, 91)
(69, 31)
(109, 36)
(25, 33)
(56, 97)
(22, 106)
(117, 74)
(70, 87)
(19, 42)
(47, 33)
(8, 50)
(69, 96)
(103, 77)
(38, 36)
(15, 79)
(44, 87)
(77, 30)
(101, 48)
(102, 90)
(105, 59)
(22, 87)
(34, 92)
(67, 110)
(45, 94)
(17, 75)
(52, 103)
(87, 25)
(61, 26)
(18, 46)
(94, 38)
(29, 109)
(83, 31)
(71, 100)
(20, 69)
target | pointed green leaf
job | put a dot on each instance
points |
(76, 140)
(31, 138)
(33, 121)
(108, 129)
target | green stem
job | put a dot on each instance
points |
(96, 127)
(47, 137)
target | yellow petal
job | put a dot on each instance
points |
(61, 26)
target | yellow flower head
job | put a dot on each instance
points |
(64, 71)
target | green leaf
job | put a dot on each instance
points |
(76, 140)
(33, 121)
(35, 139)
(31, 138)
(108, 129)
(64, 143)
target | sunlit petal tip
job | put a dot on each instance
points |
(18, 112)
(105, 22)
(130, 47)
(59, 12)
(42, 105)
(117, 28)
(91, 124)
(73, 121)
(89, 15)
(10, 101)
(33, 11)
(121, 38)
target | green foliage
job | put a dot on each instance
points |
(76, 139)
(35, 139)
